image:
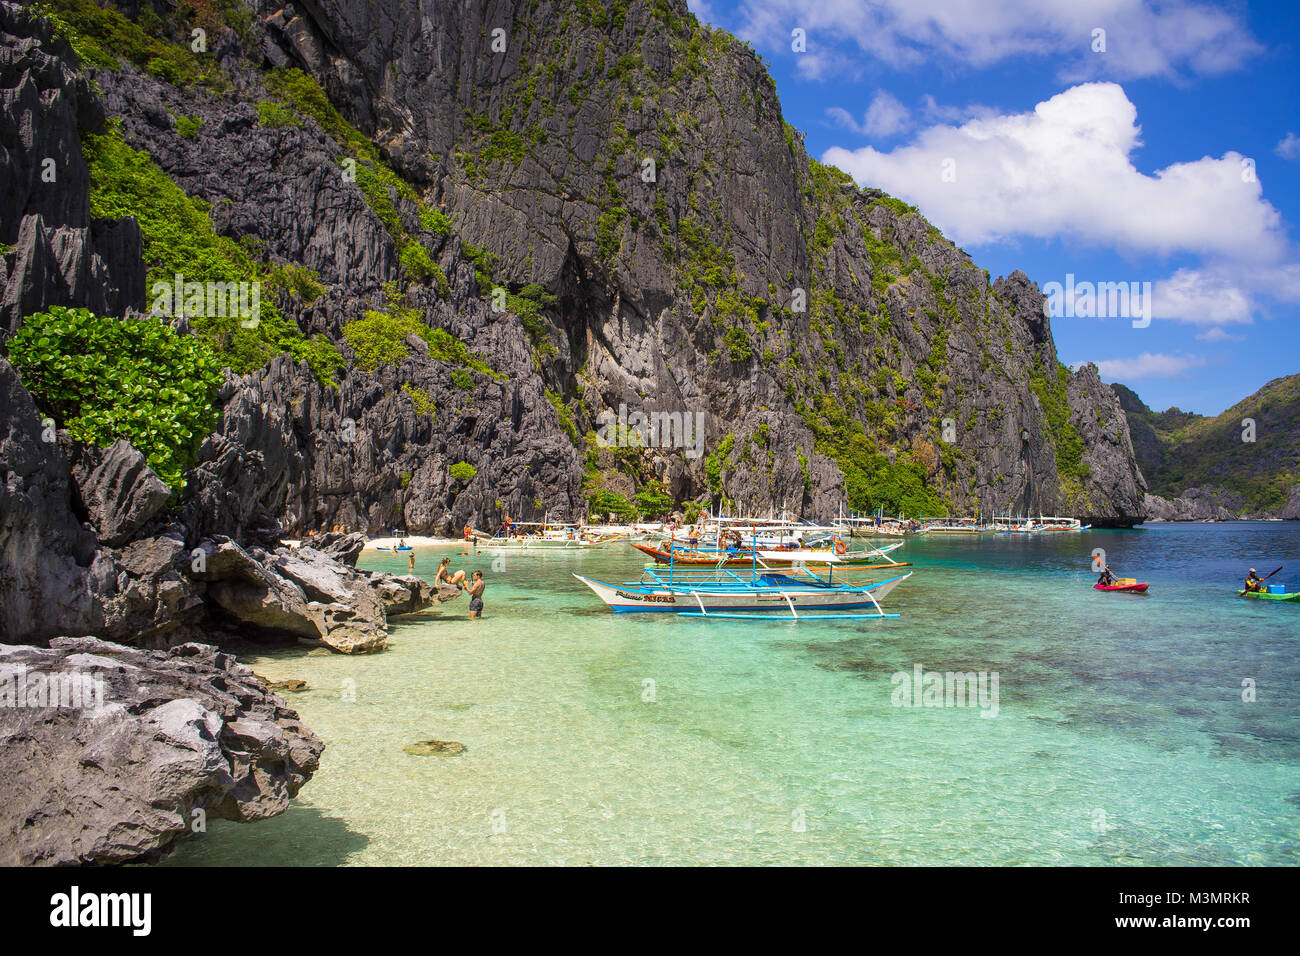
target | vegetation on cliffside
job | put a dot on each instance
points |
(1253, 448)
(103, 379)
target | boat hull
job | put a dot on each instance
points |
(1132, 588)
(1272, 597)
(693, 598)
(702, 559)
(523, 544)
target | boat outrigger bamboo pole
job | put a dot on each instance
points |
(672, 534)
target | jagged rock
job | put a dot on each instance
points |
(60, 256)
(45, 554)
(291, 456)
(178, 732)
(117, 489)
(43, 103)
(295, 591)
(64, 266)
(342, 547)
(154, 591)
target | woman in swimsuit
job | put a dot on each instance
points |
(444, 575)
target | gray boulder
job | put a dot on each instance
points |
(154, 744)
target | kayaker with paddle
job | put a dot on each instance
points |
(1107, 579)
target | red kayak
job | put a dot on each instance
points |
(1135, 588)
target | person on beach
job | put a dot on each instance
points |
(476, 596)
(1107, 579)
(444, 575)
(1254, 583)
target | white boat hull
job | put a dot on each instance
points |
(691, 598)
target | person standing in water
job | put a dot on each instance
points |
(410, 562)
(476, 596)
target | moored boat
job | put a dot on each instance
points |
(727, 594)
(540, 536)
(668, 552)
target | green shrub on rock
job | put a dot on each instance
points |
(137, 379)
(462, 471)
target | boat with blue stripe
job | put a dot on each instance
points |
(787, 594)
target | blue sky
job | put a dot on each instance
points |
(1165, 150)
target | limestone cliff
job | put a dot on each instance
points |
(661, 240)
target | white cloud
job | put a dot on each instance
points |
(1065, 170)
(1201, 297)
(934, 111)
(1288, 147)
(1219, 335)
(1142, 38)
(1148, 365)
(885, 117)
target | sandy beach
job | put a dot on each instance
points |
(414, 540)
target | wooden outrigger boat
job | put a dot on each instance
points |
(704, 557)
(955, 526)
(726, 594)
(540, 536)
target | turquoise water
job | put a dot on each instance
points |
(1121, 735)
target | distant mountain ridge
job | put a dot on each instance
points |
(1214, 456)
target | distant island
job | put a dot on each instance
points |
(1201, 468)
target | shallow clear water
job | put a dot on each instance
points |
(1121, 735)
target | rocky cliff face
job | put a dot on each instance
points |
(694, 260)
(679, 293)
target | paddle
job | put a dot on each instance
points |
(1265, 577)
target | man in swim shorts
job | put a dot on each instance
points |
(476, 596)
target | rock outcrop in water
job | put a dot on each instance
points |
(111, 753)
(1195, 504)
